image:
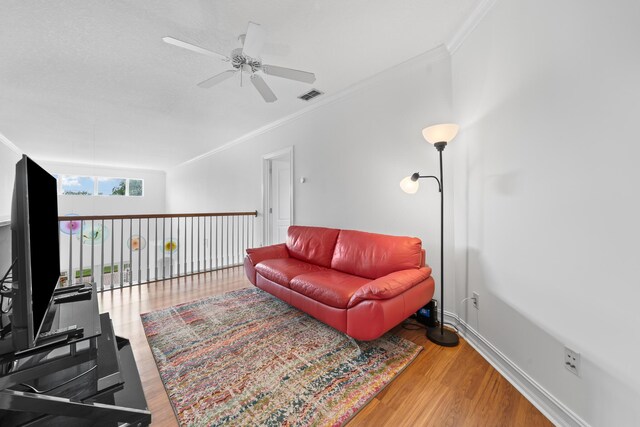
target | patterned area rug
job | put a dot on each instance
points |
(247, 358)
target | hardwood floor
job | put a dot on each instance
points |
(442, 387)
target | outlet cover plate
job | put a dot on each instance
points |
(572, 361)
(475, 300)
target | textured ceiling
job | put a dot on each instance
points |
(90, 81)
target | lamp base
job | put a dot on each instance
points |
(446, 338)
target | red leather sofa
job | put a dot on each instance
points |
(362, 284)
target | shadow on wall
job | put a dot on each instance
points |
(599, 397)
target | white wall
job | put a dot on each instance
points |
(546, 195)
(353, 152)
(8, 158)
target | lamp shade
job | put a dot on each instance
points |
(440, 133)
(409, 186)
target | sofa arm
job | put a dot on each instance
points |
(257, 255)
(391, 285)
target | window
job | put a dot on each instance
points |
(74, 185)
(112, 186)
(135, 187)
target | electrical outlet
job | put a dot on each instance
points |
(476, 300)
(572, 361)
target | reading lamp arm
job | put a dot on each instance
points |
(417, 176)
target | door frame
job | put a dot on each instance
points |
(266, 190)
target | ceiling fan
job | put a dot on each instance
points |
(247, 59)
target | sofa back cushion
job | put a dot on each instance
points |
(312, 244)
(373, 255)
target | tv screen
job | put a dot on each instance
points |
(35, 245)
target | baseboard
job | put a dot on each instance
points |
(551, 407)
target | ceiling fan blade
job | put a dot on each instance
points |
(262, 87)
(218, 78)
(194, 48)
(254, 40)
(289, 73)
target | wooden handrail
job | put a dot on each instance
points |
(180, 215)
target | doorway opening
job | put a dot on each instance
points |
(277, 195)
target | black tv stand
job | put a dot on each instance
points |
(82, 380)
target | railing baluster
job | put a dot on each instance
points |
(204, 241)
(171, 248)
(178, 246)
(227, 232)
(198, 259)
(139, 251)
(148, 248)
(217, 252)
(185, 263)
(113, 231)
(121, 253)
(92, 247)
(191, 244)
(210, 243)
(130, 252)
(155, 261)
(102, 258)
(70, 276)
(236, 221)
(81, 247)
(163, 247)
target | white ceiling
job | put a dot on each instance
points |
(90, 81)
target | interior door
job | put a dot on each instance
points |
(280, 207)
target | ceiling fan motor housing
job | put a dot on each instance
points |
(243, 62)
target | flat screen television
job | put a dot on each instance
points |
(35, 247)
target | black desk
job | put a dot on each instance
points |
(88, 380)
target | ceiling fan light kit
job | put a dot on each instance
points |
(247, 59)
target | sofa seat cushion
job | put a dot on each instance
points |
(329, 287)
(282, 270)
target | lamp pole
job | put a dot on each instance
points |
(442, 336)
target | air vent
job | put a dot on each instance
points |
(310, 95)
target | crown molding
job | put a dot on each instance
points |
(481, 10)
(433, 55)
(13, 147)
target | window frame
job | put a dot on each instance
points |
(96, 179)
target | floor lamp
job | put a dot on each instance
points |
(439, 136)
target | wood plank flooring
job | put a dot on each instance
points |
(442, 387)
